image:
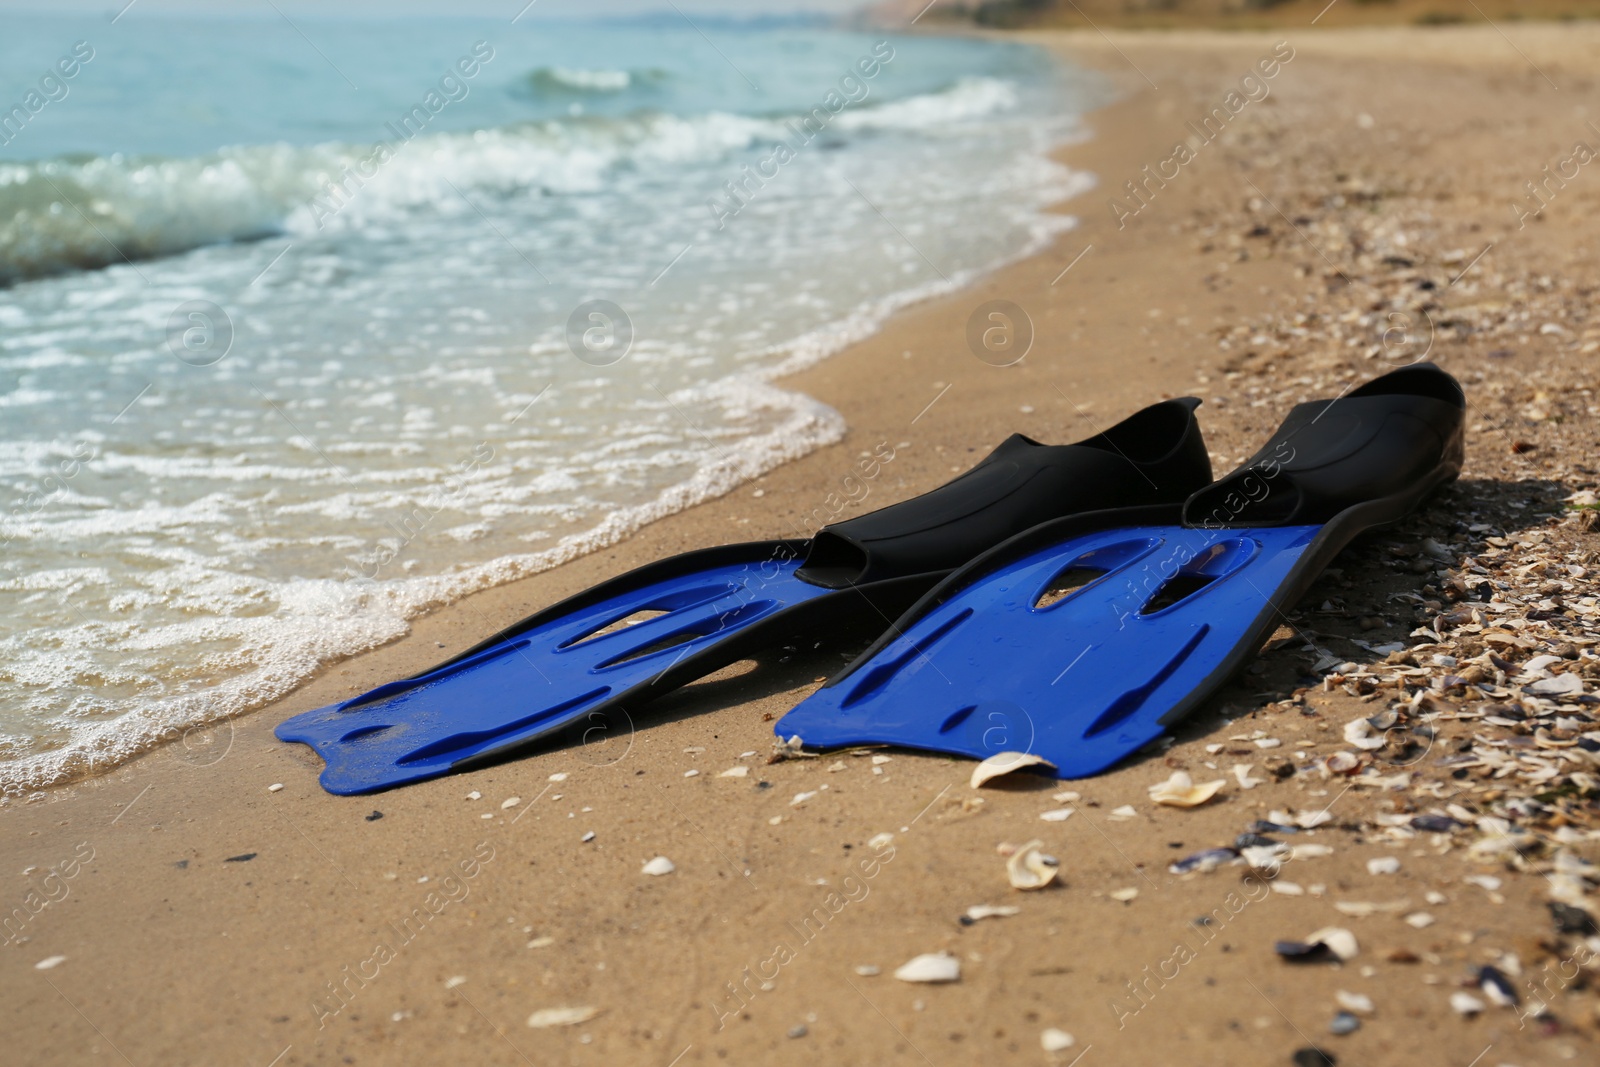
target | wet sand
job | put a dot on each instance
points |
(203, 917)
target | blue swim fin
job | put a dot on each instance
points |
(580, 659)
(1084, 639)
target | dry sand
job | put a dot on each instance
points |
(204, 918)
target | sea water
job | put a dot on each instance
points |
(309, 326)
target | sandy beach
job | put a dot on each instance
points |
(1363, 206)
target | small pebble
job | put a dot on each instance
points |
(1344, 1023)
(868, 970)
(691, 774)
(375, 816)
(798, 1031)
(1383, 865)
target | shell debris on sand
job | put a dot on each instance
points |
(741, 771)
(1028, 868)
(49, 963)
(868, 970)
(930, 967)
(988, 911)
(510, 802)
(1053, 1040)
(1180, 791)
(1004, 763)
(658, 866)
(548, 1017)
(1057, 814)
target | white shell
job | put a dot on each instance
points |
(930, 967)
(1466, 1003)
(1358, 732)
(1127, 811)
(658, 866)
(274, 787)
(1383, 865)
(1123, 896)
(1356, 1002)
(510, 802)
(877, 841)
(1180, 791)
(1241, 772)
(991, 911)
(1028, 868)
(1005, 763)
(1340, 942)
(546, 1017)
(1056, 814)
(1419, 920)
(1053, 1040)
(801, 798)
(49, 963)
(740, 771)
(868, 970)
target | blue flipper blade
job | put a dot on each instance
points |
(1083, 681)
(541, 680)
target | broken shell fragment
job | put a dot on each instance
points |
(1207, 860)
(740, 771)
(1053, 1040)
(658, 866)
(1028, 868)
(547, 1017)
(1005, 763)
(1180, 791)
(930, 967)
(988, 911)
(1329, 943)
(1466, 1003)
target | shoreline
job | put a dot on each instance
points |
(213, 916)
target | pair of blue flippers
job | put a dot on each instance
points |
(1072, 601)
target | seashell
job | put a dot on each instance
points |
(1266, 857)
(1497, 987)
(801, 798)
(458, 980)
(1466, 1003)
(1053, 1040)
(1359, 733)
(1123, 814)
(1340, 942)
(275, 787)
(740, 771)
(49, 963)
(1419, 920)
(877, 841)
(1314, 819)
(1383, 865)
(1289, 889)
(987, 911)
(474, 795)
(1308, 852)
(1056, 814)
(559, 776)
(1005, 763)
(1302, 951)
(1180, 791)
(658, 866)
(587, 837)
(1207, 860)
(868, 970)
(509, 803)
(1358, 1002)
(1123, 896)
(930, 967)
(879, 761)
(1241, 772)
(1342, 763)
(691, 773)
(1264, 826)
(1068, 797)
(1436, 824)
(1254, 841)
(547, 1017)
(1344, 1023)
(1028, 868)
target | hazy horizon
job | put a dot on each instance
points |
(470, 8)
